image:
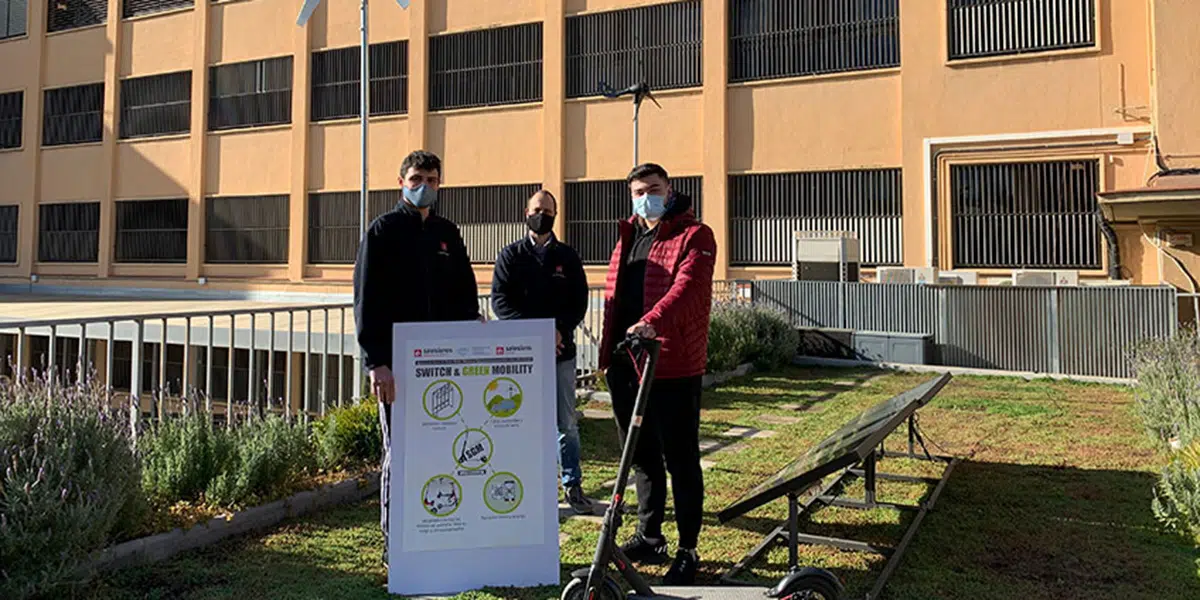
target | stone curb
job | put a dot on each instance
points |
(709, 380)
(159, 547)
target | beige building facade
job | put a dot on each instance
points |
(189, 144)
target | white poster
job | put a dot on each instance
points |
(474, 499)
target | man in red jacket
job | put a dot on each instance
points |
(659, 285)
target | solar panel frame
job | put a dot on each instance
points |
(863, 441)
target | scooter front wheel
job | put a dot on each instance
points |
(814, 588)
(577, 590)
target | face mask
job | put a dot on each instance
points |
(650, 206)
(422, 197)
(540, 223)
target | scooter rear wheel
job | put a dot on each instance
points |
(606, 590)
(813, 587)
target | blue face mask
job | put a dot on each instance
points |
(650, 206)
(422, 197)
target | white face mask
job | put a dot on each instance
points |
(650, 206)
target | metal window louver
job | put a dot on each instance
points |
(69, 232)
(489, 216)
(770, 39)
(250, 94)
(982, 28)
(333, 223)
(595, 207)
(11, 110)
(73, 14)
(8, 233)
(1025, 215)
(73, 115)
(765, 211)
(13, 18)
(246, 229)
(659, 44)
(487, 67)
(152, 231)
(156, 105)
(335, 81)
(133, 8)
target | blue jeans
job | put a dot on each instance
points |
(568, 426)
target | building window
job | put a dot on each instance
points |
(335, 81)
(11, 108)
(156, 105)
(490, 217)
(8, 233)
(247, 230)
(771, 39)
(69, 233)
(152, 231)
(12, 18)
(250, 94)
(766, 210)
(658, 44)
(73, 14)
(1025, 215)
(133, 8)
(73, 115)
(333, 223)
(151, 361)
(595, 207)
(489, 67)
(981, 28)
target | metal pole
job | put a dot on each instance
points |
(364, 112)
(291, 345)
(636, 109)
(208, 367)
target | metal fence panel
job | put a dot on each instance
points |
(1098, 326)
(809, 304)
(898, 308)
(1002, 328)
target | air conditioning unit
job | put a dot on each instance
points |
(1045, 278)
(927, 275)
(825, 256)
(958, 278)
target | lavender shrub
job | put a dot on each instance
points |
(70, 486)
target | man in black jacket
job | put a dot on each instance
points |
(412, 266)
(539, 277)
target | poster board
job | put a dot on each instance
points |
(474, 486)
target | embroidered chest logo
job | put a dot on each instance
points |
(445, 250)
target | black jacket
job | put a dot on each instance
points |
(556, 288)
(409, 270)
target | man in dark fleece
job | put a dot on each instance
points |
(412, 266)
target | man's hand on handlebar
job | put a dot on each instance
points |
(643, 330)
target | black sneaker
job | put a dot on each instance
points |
(579, 503)
(683, 570)
(641, 549)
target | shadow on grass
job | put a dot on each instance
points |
(1014, 531)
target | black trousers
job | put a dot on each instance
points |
(671, 433)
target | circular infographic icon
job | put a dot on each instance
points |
(442, 400)
(502, 397)
(503, 493)
(472, 449)
(441, 495)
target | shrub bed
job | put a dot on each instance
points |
(742, 333)
(73, 482)
(1168, 402)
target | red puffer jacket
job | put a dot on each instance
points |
(677, 296)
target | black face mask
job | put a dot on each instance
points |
(540, 223)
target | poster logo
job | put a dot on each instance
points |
(417, 353)
(499, 351)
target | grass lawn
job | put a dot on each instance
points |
(1051, 501)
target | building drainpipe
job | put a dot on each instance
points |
(1114, 249)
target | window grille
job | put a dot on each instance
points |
(152, 231)
(73, 14)
(333, 223)
(981, 28)
(765, 211)
(771, 39)
(490, 217)
(246, 229)
(133, 8)
(250, 94)
(488, 67)
(156, 105)
(12, 106)
(335, 81)
(595, 207)
(69, 233)
(73, 115)
(659, 44)
(8, 233)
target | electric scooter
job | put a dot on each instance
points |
(595, 582)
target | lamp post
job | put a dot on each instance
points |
(364, 91)
(639, 91)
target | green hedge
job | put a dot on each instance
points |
(71, 484)
(1168, 400)
(349, 436)
(742, 333)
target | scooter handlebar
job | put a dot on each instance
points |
(634, 343)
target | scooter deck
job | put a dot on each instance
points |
(715, 592)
